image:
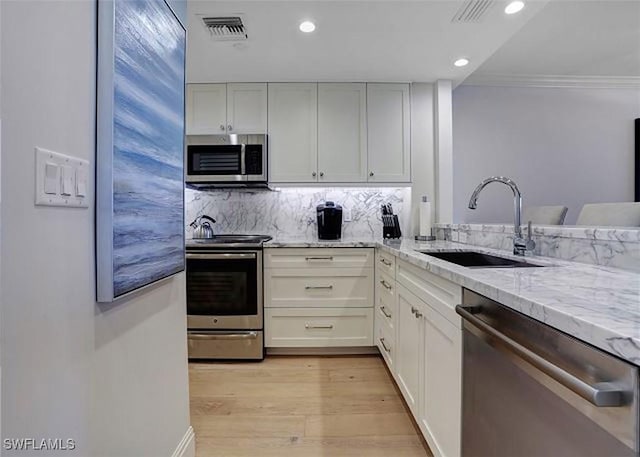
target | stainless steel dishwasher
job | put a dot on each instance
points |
(532, 391)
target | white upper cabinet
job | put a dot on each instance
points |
(226, 108)
(293, 132)
(206, 109)
(342, 132)
(247, 108)
(318, 132)
(388, 117)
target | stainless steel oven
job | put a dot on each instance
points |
(225, 299)
(226, 159)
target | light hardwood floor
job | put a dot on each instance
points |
(301, 406)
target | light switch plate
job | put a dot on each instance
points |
(56, 176)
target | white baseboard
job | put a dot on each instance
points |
(187, 445)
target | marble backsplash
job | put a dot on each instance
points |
(607, 246)
(290, 212)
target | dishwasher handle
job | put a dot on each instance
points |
(600, 394)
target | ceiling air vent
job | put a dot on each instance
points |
(472, 11)
(226, 28)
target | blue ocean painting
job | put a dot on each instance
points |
(148, 144)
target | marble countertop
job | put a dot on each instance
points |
(596, 304)
(302, 242)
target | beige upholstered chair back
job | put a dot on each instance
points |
(544, 215)
(610, 214)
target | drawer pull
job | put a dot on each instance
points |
(384, 311)
(386, 285)
(223, 336)
(415, 311)
(327, 327)
(388, 350)
(385, 262)
(318, 287)
(309, 259)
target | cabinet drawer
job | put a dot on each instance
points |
(386, 313)
(386, 344)
(318, 258)
(386, 287)
(440, 294)
(386, 263)
(318, 327)
(319, 287)
(386, 298)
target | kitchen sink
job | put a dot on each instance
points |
(472, 259)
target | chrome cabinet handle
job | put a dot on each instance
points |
(371, 173)
(313, 174)
(220, 256)
(229, 127)
(222, 127)
(321, 174)
(223, 336)
(384, 311)
(600, 394)
(308, 259)
(318, 287)
(388, 350)
(385, 262)
(386, 285)
(309, 326)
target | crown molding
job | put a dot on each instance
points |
(554, 81)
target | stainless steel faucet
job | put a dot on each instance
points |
(520, 244)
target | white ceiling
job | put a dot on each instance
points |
(574, 38)
(354, 40)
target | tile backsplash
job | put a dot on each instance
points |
(291, 211)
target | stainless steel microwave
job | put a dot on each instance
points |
(226, 159)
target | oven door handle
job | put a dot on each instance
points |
(221, 256)
(600, 394)
(224, 336)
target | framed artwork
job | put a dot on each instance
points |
(140, 146)
(637, 164)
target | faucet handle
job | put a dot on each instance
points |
(530, 244)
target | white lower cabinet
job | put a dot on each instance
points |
(318, 327)
(319, 297)
(409, 347)
(425, 352)
(440, 410)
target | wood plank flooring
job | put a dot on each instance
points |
(304, 406)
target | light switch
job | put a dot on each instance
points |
(67, 180)
(81, 182)
(51, 178)
(61, 180)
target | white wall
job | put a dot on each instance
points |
(422, 152)
(113, 378)
(564, 146)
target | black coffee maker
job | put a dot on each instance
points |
(329, 221)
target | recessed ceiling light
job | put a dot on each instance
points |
(461, 62)
(307, 26)
(514, 7)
